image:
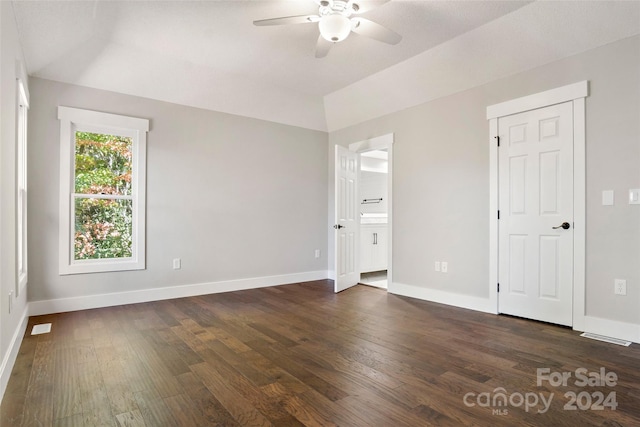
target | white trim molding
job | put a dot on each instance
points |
(377, 143)
(539, 100)
(611, 328)
(37, 308)
(575, 93)
(493, 217)
(579, 214)
(21, 74)
(98, 118)
(443, 297)
(11, 355)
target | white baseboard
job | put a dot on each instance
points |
(37, 308)
(381, 284)
(443, 297)
(596, 325)
(612, 328)
(10, 356)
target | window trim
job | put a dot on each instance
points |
(22, 260)
(70, 119)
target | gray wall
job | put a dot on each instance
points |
(10, 55)
(441, 178)
(232, 197)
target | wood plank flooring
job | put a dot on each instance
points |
(299, 355)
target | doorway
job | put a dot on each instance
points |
(374, 217)
(377, 218)
(537, 178)
(347, 204)
(535, 163)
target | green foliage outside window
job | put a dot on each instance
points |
(103, 226)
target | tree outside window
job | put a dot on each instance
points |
(103, 224)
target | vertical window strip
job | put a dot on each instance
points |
(21, 169)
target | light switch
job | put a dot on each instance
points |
(607, 198)
(634, 196)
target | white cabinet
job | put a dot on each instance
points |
(373, 247)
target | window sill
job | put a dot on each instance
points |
(101, 266)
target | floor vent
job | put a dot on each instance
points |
(606, 339)
(44, 328)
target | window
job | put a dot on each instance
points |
(21, 185)
(102, 191)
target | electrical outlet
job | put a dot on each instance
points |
(620, 286)
(317, 253)
(437, 267)
(177, 264)
(444, 266)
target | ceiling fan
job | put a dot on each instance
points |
(335, 22)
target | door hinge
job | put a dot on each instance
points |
(498, 287)
(498, 213)
(497, 140)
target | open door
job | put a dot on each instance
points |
(347, 219)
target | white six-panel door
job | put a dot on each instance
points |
(535, 199)
(347, 219)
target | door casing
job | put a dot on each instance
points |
(576, 93)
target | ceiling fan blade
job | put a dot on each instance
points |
(368, 28)
(322, 47)
(300, 19)
(362, 6)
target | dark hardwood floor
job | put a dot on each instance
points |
(300, 355)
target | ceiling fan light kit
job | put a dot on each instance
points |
(334, 27)
(335, 23)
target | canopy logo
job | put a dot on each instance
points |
(499, 400)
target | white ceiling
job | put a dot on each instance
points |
(208, 54)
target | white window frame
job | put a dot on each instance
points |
(72, 119)
(21, 185)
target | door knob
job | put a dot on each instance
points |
(338, 226)
(564, 225)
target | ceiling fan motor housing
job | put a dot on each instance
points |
(345, 8)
